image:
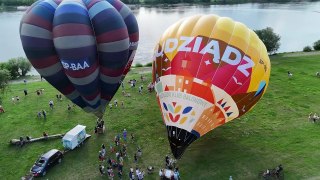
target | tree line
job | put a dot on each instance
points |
(15, 67)
(29, 2)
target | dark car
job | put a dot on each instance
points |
(46, 161)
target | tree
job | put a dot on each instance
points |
(270, 39)
(13, 67)
(17, 67)
(316, 45)
(307, 49)
(24, 65)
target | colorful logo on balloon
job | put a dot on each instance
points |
(175, 113)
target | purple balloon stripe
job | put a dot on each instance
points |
(72, 29)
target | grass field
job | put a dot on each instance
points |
(275, 132)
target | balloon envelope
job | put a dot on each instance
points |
(208, 70)
(81, 47)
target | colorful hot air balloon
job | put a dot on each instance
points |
(81, 47)
(208, 71)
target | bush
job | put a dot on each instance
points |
(307, 49)
(138, 65)
(270, 39)
(148, 64)
(316, 45)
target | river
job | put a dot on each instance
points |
(298, 24)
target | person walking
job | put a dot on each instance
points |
(44, 113)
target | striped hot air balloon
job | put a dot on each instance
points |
(208, 71)
(83, 48)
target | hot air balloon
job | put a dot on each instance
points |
(208, 70)
(81, 47)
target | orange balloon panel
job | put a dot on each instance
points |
(207, 70)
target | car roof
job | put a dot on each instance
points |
(48, 154)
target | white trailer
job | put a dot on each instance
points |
(74, 137)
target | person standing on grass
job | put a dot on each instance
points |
(124, 133)
(103, 150)
(135, 158)
(69, 107)
(176, 174)
(44, 114)
(131, 174)
(25, 82)
(122, 104)
(140, 89)
(120, 174)
(115, 103)
(139, 152)
(39, 115)
(101, 168)
(45, 135)
(137, 172)
(1, 109)
(17, 98)
(13, 100)
(100, 157)
(51, 104)
(25, 92)
(122, 85)
(132, 137)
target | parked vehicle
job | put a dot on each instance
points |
(45, 162)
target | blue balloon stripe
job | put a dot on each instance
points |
(131, 23)
(58, 80)
(114, 60)
(110, 17)
(71, 9)
(79, 101)
(39, 53)
(88, 89)
(43, 12)
(50, 5)
(109, 89)
(80, 53)
(32, 42)
(71, 18)
(99, 7)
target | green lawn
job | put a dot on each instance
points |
(275, 132)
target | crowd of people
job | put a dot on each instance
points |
(111, 162)
(275, 172)
(170, 172)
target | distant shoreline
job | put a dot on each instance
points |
(15, 3)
